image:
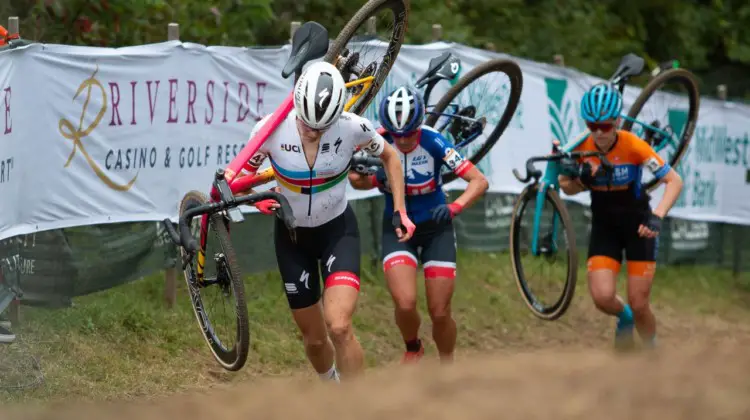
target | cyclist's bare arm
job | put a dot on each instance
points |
(466, 170)
(662, 171)
(570, 186)
(395, 174)
(477, 186)
(672, 189)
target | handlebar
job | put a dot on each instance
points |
(185, 238)
(363, 164)
(532, 172)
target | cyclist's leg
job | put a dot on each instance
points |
(439, 262)
(400, 268)
(641, 264)
(340, 265)
(603, 266)
(299, 271)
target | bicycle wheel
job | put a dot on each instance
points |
(465, 93)
(227, 283)
(394, 18)
(662, 137)
(549, 247)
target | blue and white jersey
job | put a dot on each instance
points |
(421, 166)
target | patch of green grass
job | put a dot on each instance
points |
(123, 342)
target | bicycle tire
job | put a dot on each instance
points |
(400, 9)
(555, 311)
(508, 67)
(230, 359)
(691, 83)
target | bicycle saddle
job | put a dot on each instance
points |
(630, 65)
(309, 42)
(444, 66)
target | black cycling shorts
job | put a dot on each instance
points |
(333, 248)
(433, 245)
(613, 236)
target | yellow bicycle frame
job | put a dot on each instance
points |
(267, 175)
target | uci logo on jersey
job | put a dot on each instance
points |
(290, 148)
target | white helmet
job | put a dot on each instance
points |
(319, 95)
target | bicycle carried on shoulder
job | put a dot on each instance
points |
(309, 42)
(670, 134)
(458, 115)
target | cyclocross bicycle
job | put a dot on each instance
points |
(461, 115)
(309, 42)
(671, 133)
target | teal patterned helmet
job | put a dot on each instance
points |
(602, 102)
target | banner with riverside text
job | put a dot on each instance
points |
(95, 135)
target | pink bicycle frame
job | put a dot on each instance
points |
(235, 166)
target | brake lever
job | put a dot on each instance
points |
(172, 232)
(284, 213)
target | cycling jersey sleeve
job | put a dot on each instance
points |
(252, 165)
(450, 156)
(646, 156)
(366, 138)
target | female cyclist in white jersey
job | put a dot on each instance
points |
(310, 153)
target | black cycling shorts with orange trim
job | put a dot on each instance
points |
(615, 235)
(433, 244)
(331, 249)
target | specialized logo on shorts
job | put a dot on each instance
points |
(305, 279)
(330, 261)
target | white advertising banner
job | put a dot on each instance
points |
(96, 135)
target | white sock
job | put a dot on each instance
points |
(331, 375)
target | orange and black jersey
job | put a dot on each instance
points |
(621, 190)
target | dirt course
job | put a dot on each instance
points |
(704, 377)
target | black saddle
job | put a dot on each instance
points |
(444, 66)
(631, 65)
(309, 42)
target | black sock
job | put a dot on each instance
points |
(413, 345)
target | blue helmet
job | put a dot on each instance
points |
(602, 102)
(402, 111)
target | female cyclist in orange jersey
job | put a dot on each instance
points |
(622, 218)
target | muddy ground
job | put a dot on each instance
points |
(701, 370)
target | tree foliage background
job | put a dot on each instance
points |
(710, 37)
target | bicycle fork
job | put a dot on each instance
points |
(548, 246)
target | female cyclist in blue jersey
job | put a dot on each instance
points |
(422, 152)
(622, 220)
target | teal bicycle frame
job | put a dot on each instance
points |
(549, 180)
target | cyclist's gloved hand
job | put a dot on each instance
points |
(569, 167)
(268, 206)
(586, 173)
(403, 226)
(446, 212)
(651, 228)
